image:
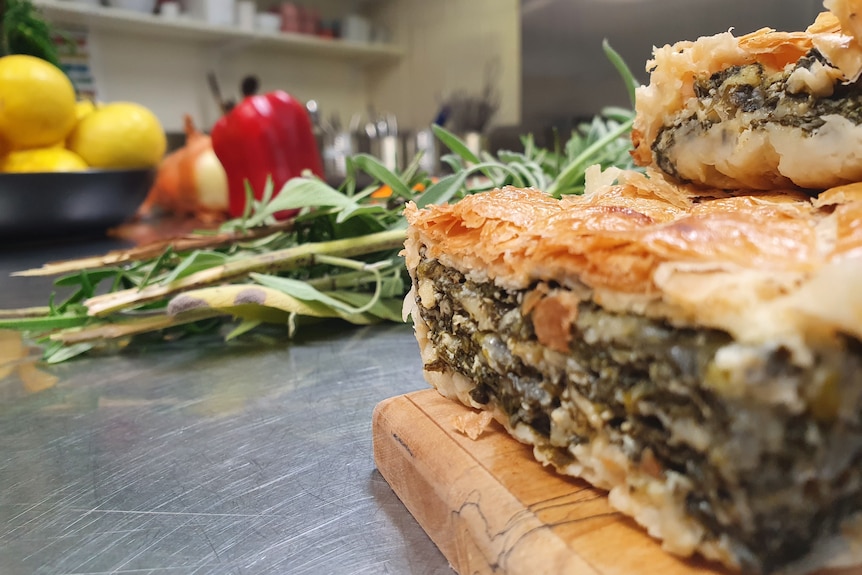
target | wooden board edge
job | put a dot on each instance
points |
(473, 519)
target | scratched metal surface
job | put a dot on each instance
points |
(205, 458)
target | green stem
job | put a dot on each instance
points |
(622, 69)
(40, 324)
(486, 167)
(130, 327)
(289, 258)
(353, 264)
(346, 280)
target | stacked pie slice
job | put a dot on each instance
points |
(688, 337)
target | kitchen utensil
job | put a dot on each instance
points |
(337, 147)
(50, 204)
(475, 142)
(318, 126)
(465, 112)
(355, 120)
(371, 130)
(215, 91)
(426, 144)
(442, 115)
(381, 127)
(313, 111)
(389, 154)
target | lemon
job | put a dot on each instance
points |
(119, 135)
(50, 159)
(83, 108)
(37, 102)
(5, 147)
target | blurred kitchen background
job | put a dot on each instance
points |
(371, 69)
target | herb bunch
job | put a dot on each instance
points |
(338, 258)
(23, 30)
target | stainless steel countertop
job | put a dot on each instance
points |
(201, 457)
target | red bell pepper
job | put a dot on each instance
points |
(264, 136)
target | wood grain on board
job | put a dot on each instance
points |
(492, 508)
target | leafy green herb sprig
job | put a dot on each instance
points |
(23, 30)
(338, 258)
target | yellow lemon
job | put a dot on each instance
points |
(119, 135)
(5, 147)
(37, 102)
(83, 108)
(51, 159)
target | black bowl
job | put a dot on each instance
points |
(51, 204)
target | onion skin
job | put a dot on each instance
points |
(191, 182)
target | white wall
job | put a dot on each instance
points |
(447, 44)
(169, 76)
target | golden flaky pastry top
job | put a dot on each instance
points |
(837, 34)
(766, 267)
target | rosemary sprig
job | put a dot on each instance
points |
(184, 243)
(304, 256)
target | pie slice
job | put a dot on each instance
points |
(760, 111)
(695, 353)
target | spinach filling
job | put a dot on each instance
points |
(771, 495)
(767, 97)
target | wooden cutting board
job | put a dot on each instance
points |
(492, 508)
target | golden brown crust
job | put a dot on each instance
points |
(643, 244)
(616, 236)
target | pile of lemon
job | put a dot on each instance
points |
(43, 128)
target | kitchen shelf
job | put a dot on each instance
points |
(187, 29)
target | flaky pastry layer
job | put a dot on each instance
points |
(767, 267)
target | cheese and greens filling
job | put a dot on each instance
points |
(765, 455)
(747, 98)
